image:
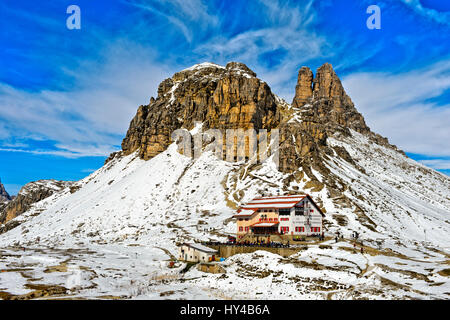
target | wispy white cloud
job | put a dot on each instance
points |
(400, 106)
(437, 164)
(87, 151)
(288, 30)
(186, 15)
(90, 119)
(435, 15)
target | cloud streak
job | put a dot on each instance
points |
(90, 119)
(440, 17)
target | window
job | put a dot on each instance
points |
(318, 229)
(246, 229)
(284, 212)
(270, 219)
(241, 228)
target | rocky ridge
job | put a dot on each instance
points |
(28, 195)
(219, 97)
(233, 97)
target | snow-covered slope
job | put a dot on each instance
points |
(127, 217)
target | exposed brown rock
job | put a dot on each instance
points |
(233, 97)
(28, 195)
(220, 98)
(303, 89)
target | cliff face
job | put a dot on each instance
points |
(28, 195)
(233, 97)
(219, 97)
(321, 109)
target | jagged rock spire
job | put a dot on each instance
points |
(325, 101)
(4, 196)
(303, 89)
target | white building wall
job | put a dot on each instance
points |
(193, 255)
(311, 219)
(282, 223)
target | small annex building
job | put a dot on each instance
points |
(288, 215)
(195, 252)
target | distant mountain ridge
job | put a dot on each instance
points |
(29, 194)
(4, 196)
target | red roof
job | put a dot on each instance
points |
(279, 202)
(273, 202)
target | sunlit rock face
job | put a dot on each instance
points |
(228, 97)
(232, 97)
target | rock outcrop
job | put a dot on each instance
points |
(219, 97)
(233, 97)
(28, 195)
(4, 196)
(303, 89)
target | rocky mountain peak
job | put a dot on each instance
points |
(323, 99)
(4, 196)
(238, 66)
(233, 97)
(219, 97)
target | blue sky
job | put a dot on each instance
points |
(67, 96)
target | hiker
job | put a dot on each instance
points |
(336, 239)
(362, 250)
